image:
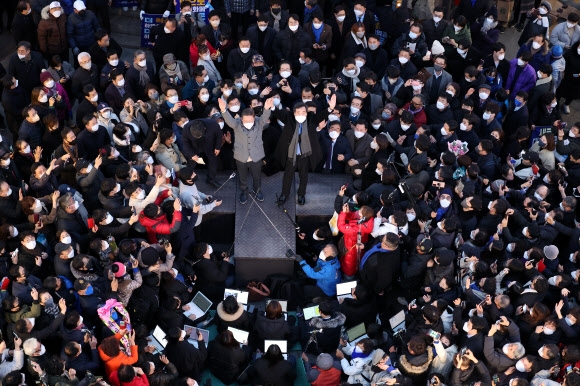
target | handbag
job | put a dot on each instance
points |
(257, 291)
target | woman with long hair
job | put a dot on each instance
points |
(273, 369)
(226, 359)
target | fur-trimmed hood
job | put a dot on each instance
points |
(45, 13)
(544, 49)
(229, 317)
(336, 320)
(412, 369)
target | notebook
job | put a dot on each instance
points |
(311, 312)
(240, 335)
(356, 333)
(397, 322)
(241, 296)
(281, 343)
(198, 306)
(193, 337)
(157, 339)
(343, 290)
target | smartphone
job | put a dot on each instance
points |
(413, 302)
(183, 103)
(496, 379)
(563, 125)
(103, 153)
(576, 75)
(15, 336)
(463, 350)
(434, 334)
(569, 369)
(36, 217)
(556, 369)
(91, 222)
(439, 184)
(483, 302)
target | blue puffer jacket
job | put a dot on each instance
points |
(326, 274)
(81, 30)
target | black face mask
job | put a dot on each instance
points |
(259, 69)
(276, 11)
(258, 110)
(193, 181)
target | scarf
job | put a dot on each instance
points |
(305, 148)
(119, 142)
(487, 26)
(277, 19)
(358, 41)
(441, 212)
(317, 32)
(51, 309)
(175, 72)
(356, 353)
(105, 314)
(143, 76)
(376, 248)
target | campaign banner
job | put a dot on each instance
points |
(197, 6)
(147, 23)
(125, 3)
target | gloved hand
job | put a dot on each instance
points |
(76, 51)
(298, 258)
(166, 14)
(141, 14)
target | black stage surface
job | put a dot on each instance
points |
(261, 233)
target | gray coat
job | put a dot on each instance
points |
(361, 148)
(248, 143)
(559, 36)
(170, 157)
(445, 80)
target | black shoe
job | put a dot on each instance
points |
(213, 183)
(243, 197)
(520, 27)
(281, 199)
(301, 200)
(259, 195)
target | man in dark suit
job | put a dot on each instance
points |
(335, 149)
(104, 43)
(261, 38)
(203, 137)
(360, 14)
(497, 59)
(433, 28)
(457, 62)
(116, 91)
(298, 147)
(380, 265)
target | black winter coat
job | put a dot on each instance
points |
(226, 363)
(188, 360)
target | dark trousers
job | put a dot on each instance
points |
(236, 20)
(255, 169)
(8, 6)
(302, 164)
(102, 14)
(211, 161)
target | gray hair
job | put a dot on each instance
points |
(137, 53)
(83, 55)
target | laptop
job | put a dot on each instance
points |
(343, 290)
(356, 333)
(240, 335)
(283, 305)
(283, 344)
(198, 306)
(193, 337)
(311, 312)
(241, 297)
(397, 322)
(157, 339)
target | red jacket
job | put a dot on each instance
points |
(160, 225)
(194, 52)
(139, 380)
(347, 225)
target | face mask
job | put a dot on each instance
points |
(293, 28)
(385, 115)
(510, 247)
(359, 64)
(505, 349)
(95, 98)
(440, 225)
(253, 91)
(571, 258)
(552, 281)
(235, 108)
(520, 366)
(121, 83)
(378, 171)
(373, 46)
(568, 321)
(443, 132)
(71, 254)
(37, 206)
(167, 31)
(501, 57)
(486, 115)
(436, 19)
(411, 216)
(333, 134)
(300, 118)
(417, 87)
(437, 67)
(543, 11)
(106, 114)
(321, 256)
(149, 160)
(114, 63)
(490, 20)
(354, 110)
(525, 231)
(143, 63)
(483, 95)
(359, 134)
(27, 149)
(86, 66)
(317, 25)
(457, 29)
(374, 145)
(49, 83)
(517, 103)
(376, 126)
(571, 134)
(548, 331)
(262, 27)
(332, 118)
(466, 327)
(276, 102)
(316, 237)
(538, 197)
(405, 127)
(66, 240)
(521, 63)
(462, 127)
(238, 85)
(21, 56)
(43, 99)
(5, 162)
(248, 125)
(204, 97)
(30, 244)
(285, 74)
(450, 92)
(245, 50)
(57, 14)
(445, 203)
(109, 219)
(173, 99)
(215, 23)
(95, 128)
(526, 256)
(351, 72)
(403, 60)
(340, 18)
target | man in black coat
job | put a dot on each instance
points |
(433, 28)
(10, 208)
(299, 149)
(263, 41)
(104, 43)
(240, 59)
(361, 14)
(380, 265)
(169, 39)
(203, 137)
(518, 114)
(86, 74)
(26, 65)
(289, 43)
(335, 149)
(14, 99)
(188, 360)
(92, 138)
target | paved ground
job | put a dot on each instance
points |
(126, 30)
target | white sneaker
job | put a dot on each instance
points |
(566, 109)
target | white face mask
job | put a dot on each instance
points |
(570, 25)
(520, 366)
(204, 97)
(333, 134)
(374, 145)
(262, 27)
(106, 114)
(95, 128)
(483, 95)
(173, 99)
(87, 66)
(376, 126)
(440, 105)
(526, 256)
(359, 64)
(121, 83)
(405, 127)
(143, 63)
(95, 98)
(66, 240)
(285, 74)
(521, 62)
(30, 244)
(359, 134)
(510, 247)
(276, 102)
(141, 195)
(316, 237)
(332, 117)
(378, 171)
(183, 334)
(436, 19)
(293, 28)
(149, 160)
(37, 206)
(543, 11)
(457, 29)
(443, 132)
(354, 110)
(462, 127)
(248, 125)
(235, 108)
(525, 231)
(109, 219)
(351, 72)
(254, 91)
(445, 203)
(317, 25)
(411, 216)
(43, 99)
(71, 254)
(538, 197)
(571, 258)
(166, 30)
(300, 118)
(501, 57)
(403, 60)
(486, 115)
(57, 14)
(340, 18)
(536, 45)
(466, 327)
(49, 83)
(27, 149)
(227, 92)
(245, 50)
(548, 331)
(114, 63)
(322, 256)
(222, 124)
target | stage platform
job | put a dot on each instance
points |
(261, 233)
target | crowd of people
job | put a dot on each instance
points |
(461, 212)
